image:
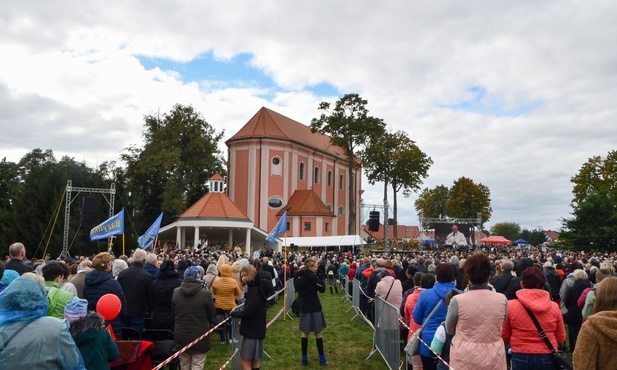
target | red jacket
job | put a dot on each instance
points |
(519, 331)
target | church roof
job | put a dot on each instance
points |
(306, 203)
(214, 205)
(267, 123)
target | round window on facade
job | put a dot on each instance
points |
(276, 160)
(275, 202)
(341, 211)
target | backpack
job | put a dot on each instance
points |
(295, 306)
(265, 284)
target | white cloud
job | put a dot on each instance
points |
(71, 81)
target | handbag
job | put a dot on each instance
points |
(413, 346)
(561, 361)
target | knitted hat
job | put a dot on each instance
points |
(191, 272)
(75, 309)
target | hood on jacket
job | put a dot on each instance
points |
(190, 286)
(212, 270)
(91, 321)
(537, 300)
(604, 322)
(522, 265)
(354, 265)
(226, 271)
(441, 289)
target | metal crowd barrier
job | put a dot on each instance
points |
(387, 335)
(291, 295)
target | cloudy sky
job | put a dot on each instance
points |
(515, 95)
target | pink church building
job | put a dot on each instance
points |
(277, 163)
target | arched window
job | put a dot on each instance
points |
(341, 180)
(329, 207)
(329, 178)
(316, 175)
(301, 171)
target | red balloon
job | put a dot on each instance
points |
(109, 306)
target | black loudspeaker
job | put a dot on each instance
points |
(373, 221)
(88, 213)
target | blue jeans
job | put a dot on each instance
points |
(531, 362)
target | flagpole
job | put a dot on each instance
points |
(123, 244)
(285, 275)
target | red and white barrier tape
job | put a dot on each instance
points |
(182, 350)
(228, 360)
(427, 346)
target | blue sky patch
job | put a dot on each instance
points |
(478, 101)
(236, 72)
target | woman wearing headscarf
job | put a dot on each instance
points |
(597, 340)
(253, 324)
(475, 319)
(193, 310)
(529, 351)
(99, 282)
(162, 291)
(28, 338)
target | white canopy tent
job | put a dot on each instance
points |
(326, 241)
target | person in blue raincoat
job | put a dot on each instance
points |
(28, 338)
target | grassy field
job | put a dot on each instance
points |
(347, 343)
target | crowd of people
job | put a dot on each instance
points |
(477, 306)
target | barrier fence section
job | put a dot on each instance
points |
(235, 341)
(291, 295)
(387, 334)
(346, 292)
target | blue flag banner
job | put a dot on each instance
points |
(113, 226)
(280, 228)
(147, 240)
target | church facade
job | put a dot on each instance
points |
(276, 163)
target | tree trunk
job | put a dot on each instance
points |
(352, 207)
(395, 210)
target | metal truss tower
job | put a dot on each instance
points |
(67, 209)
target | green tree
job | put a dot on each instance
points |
(432, 203)
(593, 224)
(36, 198)
(534, 237)
(467, 199)
(172, 170)
(351, 128)
(509, 230)
(396, 159)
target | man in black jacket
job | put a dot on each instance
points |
(501, 281)
(136, 284)
(17, 251)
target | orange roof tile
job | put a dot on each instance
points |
(214, 205)
(306, 203)
(217, 177)
(267, 123)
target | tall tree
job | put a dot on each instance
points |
(172, 170)
(467, 199)
(509, 230)
(349, 127)
(396, 159)
(593, 224)
(432, 203)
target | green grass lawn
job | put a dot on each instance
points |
(347, 343)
